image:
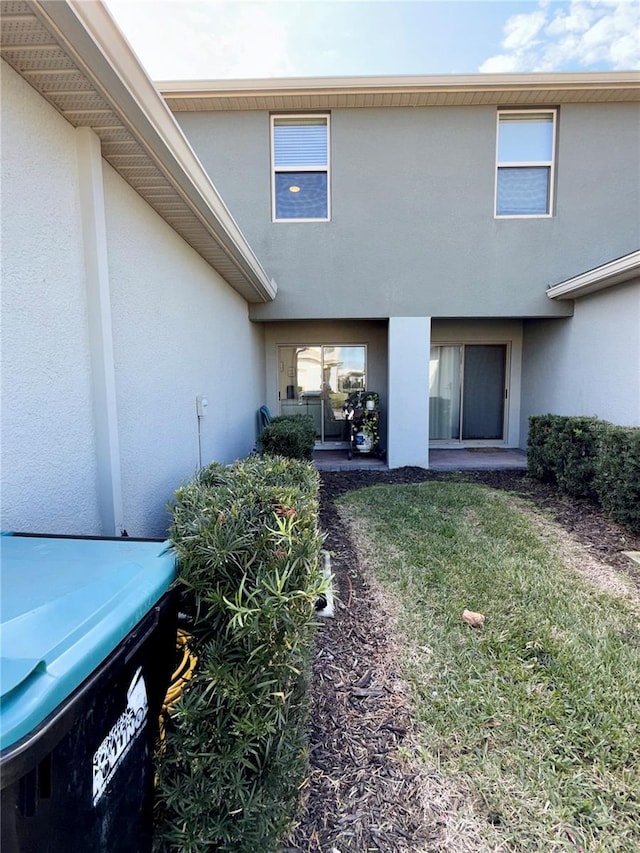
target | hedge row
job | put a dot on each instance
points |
(235, 753)
(589, 458)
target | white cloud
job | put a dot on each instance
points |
(520, 30)
(584, 34)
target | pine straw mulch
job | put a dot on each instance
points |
(365, 791)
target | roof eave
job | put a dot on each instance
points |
(607, 275)
(89, 33)
(400, 83)
(434, 90)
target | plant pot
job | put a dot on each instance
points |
(364, 442)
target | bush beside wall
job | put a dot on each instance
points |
(589, 458)
(291, 436)
(543, 447)
(617, 480)
(235, 753)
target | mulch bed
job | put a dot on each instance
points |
(363, 792)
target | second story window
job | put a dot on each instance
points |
(300, 167)
(525, 161)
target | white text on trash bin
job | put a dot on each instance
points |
(117, 743)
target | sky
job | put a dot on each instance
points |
(240, 39)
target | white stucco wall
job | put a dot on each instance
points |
(178, 331)
(48, 462)
(588, 364)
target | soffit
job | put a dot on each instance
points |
(502, 90)
(49, 44)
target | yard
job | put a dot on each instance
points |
(431, 735)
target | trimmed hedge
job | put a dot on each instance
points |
(235, 749)
(291, 436)
(565, 450)
(617, 480)
(589, 458)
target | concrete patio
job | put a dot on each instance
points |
(463, 459)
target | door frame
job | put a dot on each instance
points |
(320, 444)
(442, 443)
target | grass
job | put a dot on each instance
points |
(539, 710)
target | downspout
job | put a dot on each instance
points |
(94, 232)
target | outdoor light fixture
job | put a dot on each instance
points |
(294, 189)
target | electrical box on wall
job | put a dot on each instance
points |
(201, 405)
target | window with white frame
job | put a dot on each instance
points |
(525, 162)
(300, 167)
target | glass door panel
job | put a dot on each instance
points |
(467, 392)
(484, 392)
(343, 371)
(316, 381)
(444, 392)
(301, 383)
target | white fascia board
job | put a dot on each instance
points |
(434, 82)
(615, 272)
(93, 39)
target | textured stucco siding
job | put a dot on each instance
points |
(48, 461)
(588, 365)
(412, 230)
(179, 331)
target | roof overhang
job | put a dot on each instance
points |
(74, 55)
(615, 272)
(504, 90)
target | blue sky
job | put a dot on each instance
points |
(227, 39)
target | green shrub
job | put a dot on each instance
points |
(543, 447)
(578, 451)
(291, 436)
(589, 458)
(617, 480)
(564, 450)
(234, 754)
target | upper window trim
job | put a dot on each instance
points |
(280, 169)
(552, 111)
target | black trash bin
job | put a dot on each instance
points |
(88, 634)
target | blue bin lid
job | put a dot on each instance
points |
(66, 605)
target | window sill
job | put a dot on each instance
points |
(289, 221)
(523, 216)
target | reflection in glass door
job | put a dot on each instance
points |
(316, 381)
(467, 389)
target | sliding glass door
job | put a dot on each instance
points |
(316, 380)
(467, 391)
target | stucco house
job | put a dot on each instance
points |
(468, 247)
(470, 243)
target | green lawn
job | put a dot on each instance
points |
(538, 711)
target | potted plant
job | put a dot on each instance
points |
(366, 405)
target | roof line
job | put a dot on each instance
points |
(444, 82)
(88, 32)
(606, 275)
